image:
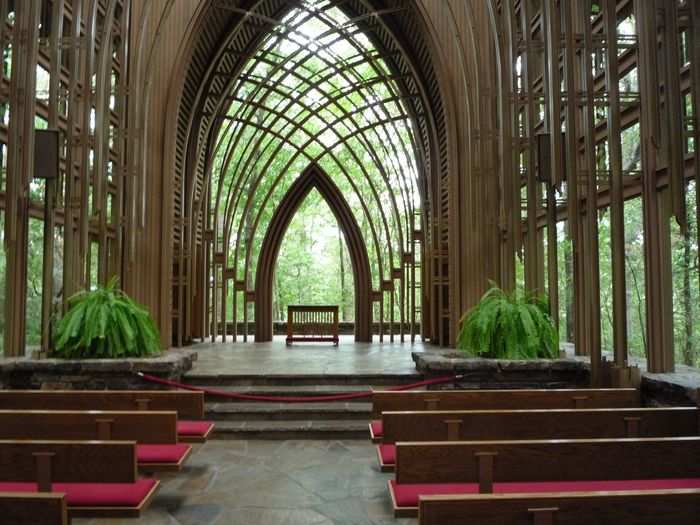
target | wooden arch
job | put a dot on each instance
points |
(313, 177)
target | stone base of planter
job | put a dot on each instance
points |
(93, 374)
(502, 373)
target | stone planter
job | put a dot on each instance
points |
(502, 373)
(93, 374)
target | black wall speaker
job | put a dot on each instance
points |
(46, 154)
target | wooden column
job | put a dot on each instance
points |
(617, 203)
(20, 170)
(657, 249)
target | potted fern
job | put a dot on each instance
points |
(509, 326)
(105, 323)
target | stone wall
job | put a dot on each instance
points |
(681, 388)
(93, 374)
(501, 373)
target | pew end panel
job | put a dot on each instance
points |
(20, 508)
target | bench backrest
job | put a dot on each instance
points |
(188, 405)
(484, 462)
(68, 461)
(478, 425)
(36, 509)
(680, 507)
(142, 427)
(387, 401)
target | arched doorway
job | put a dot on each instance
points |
(313, 177)
(408, 292)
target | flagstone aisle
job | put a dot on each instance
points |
(272, 483)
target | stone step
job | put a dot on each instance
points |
(272, 430)
(288, 411)
(290, 391)
(379, 380)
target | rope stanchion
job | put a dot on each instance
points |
(293, 399)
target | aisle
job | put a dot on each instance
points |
(272, 483)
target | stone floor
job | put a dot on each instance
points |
(273, 483)
(310, 358)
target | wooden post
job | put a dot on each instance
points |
(485, 462)
(43, 470)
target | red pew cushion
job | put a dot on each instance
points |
(388, 454)
(161, 453)
(194, 428)
(407, 494)
(377, 428)
(94, 494)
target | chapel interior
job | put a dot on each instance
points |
(349, 262)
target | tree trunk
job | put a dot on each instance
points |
(343, 299)
(569, 264)
(689, 348)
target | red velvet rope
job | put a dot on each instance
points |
(293, 399)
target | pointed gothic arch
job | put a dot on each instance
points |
(313, 177)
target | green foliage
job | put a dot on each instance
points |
(509, 326)
(105, 323)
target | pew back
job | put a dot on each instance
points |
(477, 425)
(188, 405)
(142, 427)
(485, 462)
(680, 507)
(70, 461)
(388, 401)
(35, 509)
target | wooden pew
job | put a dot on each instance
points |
(677, 507)
(18, 508)
(99, 478)
(188, 405)
(155, 432)
(484, 425)
(579, 465)
(388, 401)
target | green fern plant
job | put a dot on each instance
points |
(105, 323)
(509, 326)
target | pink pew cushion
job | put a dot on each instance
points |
(161, 453)
(388, 454)
(407, 494)
(194, 428)
(93, 494)
(377, 428)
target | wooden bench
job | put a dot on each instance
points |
(312, 324)
(17, 508)
(388, 401)
(677, 507)
(155, 432)
(484, 425)
(98, 478)
(188, 405)
(543, 466)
